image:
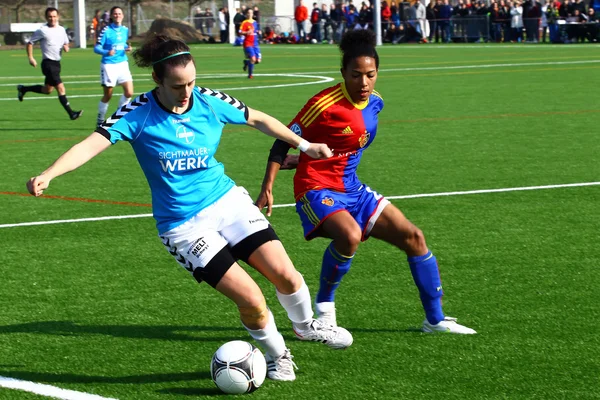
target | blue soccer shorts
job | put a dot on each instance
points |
(250, 52)
(316, 206)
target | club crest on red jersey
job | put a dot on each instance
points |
(364, 139)
(328, 201)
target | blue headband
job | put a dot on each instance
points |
(171, 56)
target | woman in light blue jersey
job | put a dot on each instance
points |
(204, 220)
(114, 68)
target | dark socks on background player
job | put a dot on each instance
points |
(426, 275)
(250, 69)
(333, 269)
(62, 99)
(245, 65)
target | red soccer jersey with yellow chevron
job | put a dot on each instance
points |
(331, 117)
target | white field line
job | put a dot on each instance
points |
(48, 390)
(320, 79)
(332, 71)
(402, 197)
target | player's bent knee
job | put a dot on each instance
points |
(255, 316)
(415, 240)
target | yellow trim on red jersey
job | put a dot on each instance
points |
(317, 106)
(331, 101)
(358, 106)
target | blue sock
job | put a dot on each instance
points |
(246, 62)
(250, 69)
(333, 269)
(425, 272)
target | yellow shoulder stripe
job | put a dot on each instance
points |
(376, 93)
(315, 107)
(331, 101)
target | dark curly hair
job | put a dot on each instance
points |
(358, 43)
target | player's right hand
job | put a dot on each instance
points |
(291, 161)
(265, 199)
(32, 62)
(111, 52)
(37, 185)
(319, 151)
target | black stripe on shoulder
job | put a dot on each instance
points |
(226, 98)
(121, 112)
(103, 132)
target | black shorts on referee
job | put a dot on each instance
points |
(51, 70)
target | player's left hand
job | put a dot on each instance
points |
(319, 151)
(291, 161)
(265, 199)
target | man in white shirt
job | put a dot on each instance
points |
(53, 41)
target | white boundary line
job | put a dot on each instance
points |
(321, 79)
(48, 390)
(409, 196)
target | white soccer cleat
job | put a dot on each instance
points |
(282, 367)
(333, 336)
(448, 325)
(326, 313)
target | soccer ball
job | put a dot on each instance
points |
(313, 41)
(238, 367)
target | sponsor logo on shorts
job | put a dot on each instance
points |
(328, 201)
(198, 247)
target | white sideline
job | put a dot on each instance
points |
(408, 196)
(48, 390)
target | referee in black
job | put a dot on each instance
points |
(53, 40)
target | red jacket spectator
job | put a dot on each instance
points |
(301, 13)
(386, 12)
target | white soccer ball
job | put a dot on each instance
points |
(313, 41)
(238, 367)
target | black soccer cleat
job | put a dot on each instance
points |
(21, 93)
(76, 114)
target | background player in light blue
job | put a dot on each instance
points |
(114, 67)
(204, 220)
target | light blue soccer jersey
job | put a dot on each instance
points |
(112, 37)
(176, 151)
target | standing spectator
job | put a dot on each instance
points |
(209, 19)
(223, 25)
(326, 24)
(505, 12)
(445, 15)
(362, 17)
(256, 13)
(564, 9)
(516, 22)
(301, 15)
(496, 23)
(421, 19)
(315, 20)
(96, 23)
(53, 41)
(431, 19)
(544, 22)
(386, 17)
(336, 21)
(351, 18)
(592, 26)
(198, 20)
(395, 13)
(239, 18)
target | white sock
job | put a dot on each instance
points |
(123, 100)
(298, 307)
(102, 109)
(269, 338)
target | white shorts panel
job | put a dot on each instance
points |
(112, 75)
(228, 221)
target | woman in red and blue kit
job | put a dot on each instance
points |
(330, 199)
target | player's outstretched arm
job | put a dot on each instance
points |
(272, 127)
(72, 159)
